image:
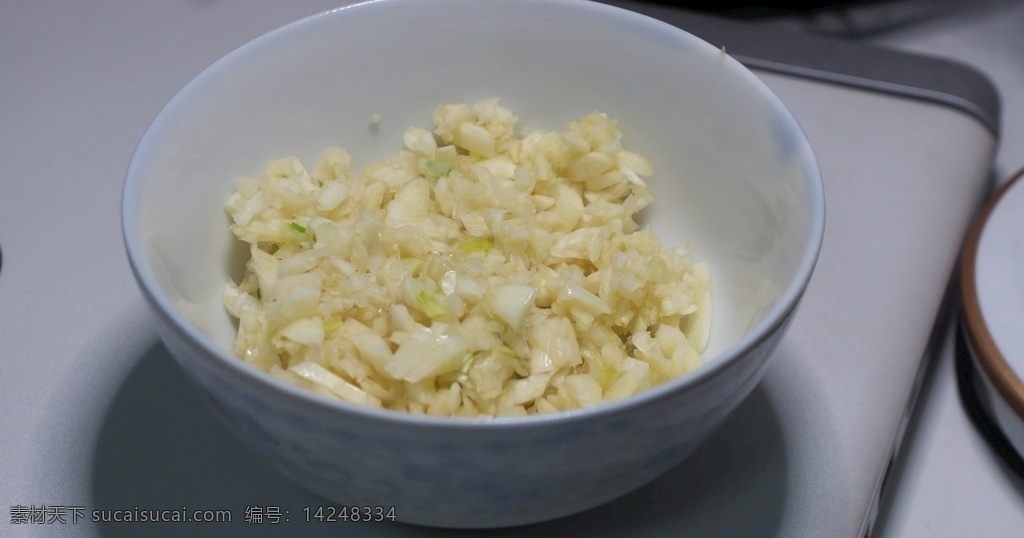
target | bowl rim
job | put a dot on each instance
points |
(772, 321)
(986, 352)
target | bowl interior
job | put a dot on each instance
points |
(734, 174)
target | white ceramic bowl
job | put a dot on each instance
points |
(992, 310)
(735, 175)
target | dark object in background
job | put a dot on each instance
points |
(764, 9)
(843, 18)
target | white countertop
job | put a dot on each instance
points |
(949, 482)
(70, 111)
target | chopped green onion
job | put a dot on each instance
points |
(467, 363)
(459, 375)
(431, 306)
(475, 244)
(259, 294)
(438, 168)
(297, 227)
(332, 325)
